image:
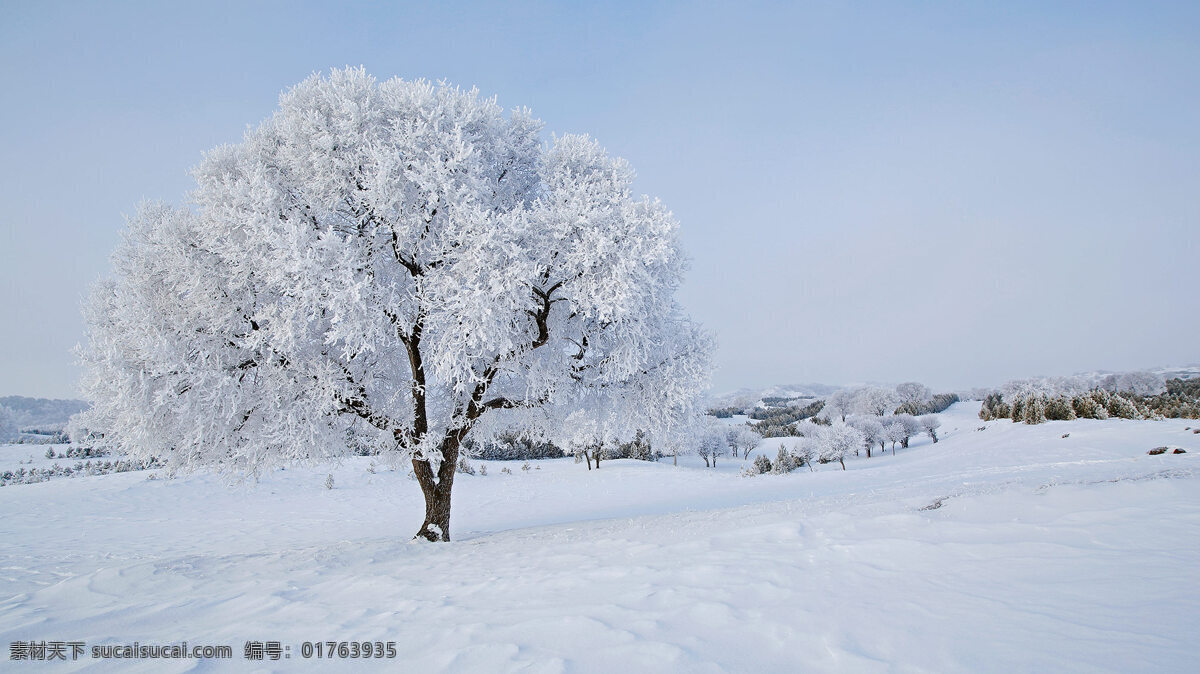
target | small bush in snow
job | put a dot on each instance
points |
(35, 475)
(762, 464)
(464, 466)
(482, 470)
(329, 481)
(525, 466)
(506, 470)
(784, 462)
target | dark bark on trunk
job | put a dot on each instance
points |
(705, 460)
(868, 451)
(843, 462)
(436, 526)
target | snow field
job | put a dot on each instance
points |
(1045, 554)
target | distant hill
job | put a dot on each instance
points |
(748, 397)
(42, 413)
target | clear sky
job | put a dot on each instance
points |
(954, 193)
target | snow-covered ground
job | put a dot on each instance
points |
(1009, 548)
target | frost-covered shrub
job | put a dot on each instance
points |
(464, 466)
(329, 481)
(639, 448)
(1120, 406)
(513, 447)
(1033, 410)
(84, 452)
(762, 464)
(34, 475)
(1060, 409)
(784, 462)
(482, 470)
(526, 467)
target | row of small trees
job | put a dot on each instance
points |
(1181, 399)
(911, 398)
(833, 442)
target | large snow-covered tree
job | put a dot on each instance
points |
(839, 404)
(912, 392)
(398, 264)
(872, 430)
(742, 439)
(837, 440)
(876, 400)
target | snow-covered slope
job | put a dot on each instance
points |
(993, 550)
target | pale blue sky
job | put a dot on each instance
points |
(949, 192)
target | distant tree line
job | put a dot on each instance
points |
(938, 403)
(1181, 399)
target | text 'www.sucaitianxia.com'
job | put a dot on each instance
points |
(76, 650)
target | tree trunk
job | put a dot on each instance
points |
(597, 459)
(587, 456)
(436, 526)
(868, 451)
(843, 462)
(705, 461)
